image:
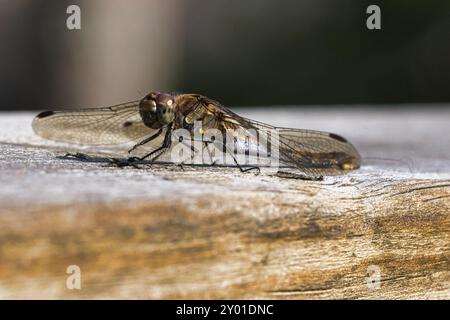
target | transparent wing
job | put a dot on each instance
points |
(99, 126)
(314, 153)
(320, 153)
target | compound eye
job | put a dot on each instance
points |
(152, 105)
(150, 96)
(148, 104)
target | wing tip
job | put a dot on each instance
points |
(337, 137)
(354, 160)
(37, 124)
(45, 114)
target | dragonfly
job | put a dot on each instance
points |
(151, 127)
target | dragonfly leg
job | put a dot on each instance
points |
(146, 140)
(235, 161)
(166, 144)
(246, 169)
(209, 152)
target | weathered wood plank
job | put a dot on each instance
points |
(164, 232)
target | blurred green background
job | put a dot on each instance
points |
(253, 52)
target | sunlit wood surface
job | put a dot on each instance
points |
(168, 232)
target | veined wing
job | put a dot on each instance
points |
(98, 126)
(321, 153)
(315, 153)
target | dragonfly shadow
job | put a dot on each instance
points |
(119, 162)
(135, 162)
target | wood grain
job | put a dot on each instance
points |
(166, 232)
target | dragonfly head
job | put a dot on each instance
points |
(160, 104)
